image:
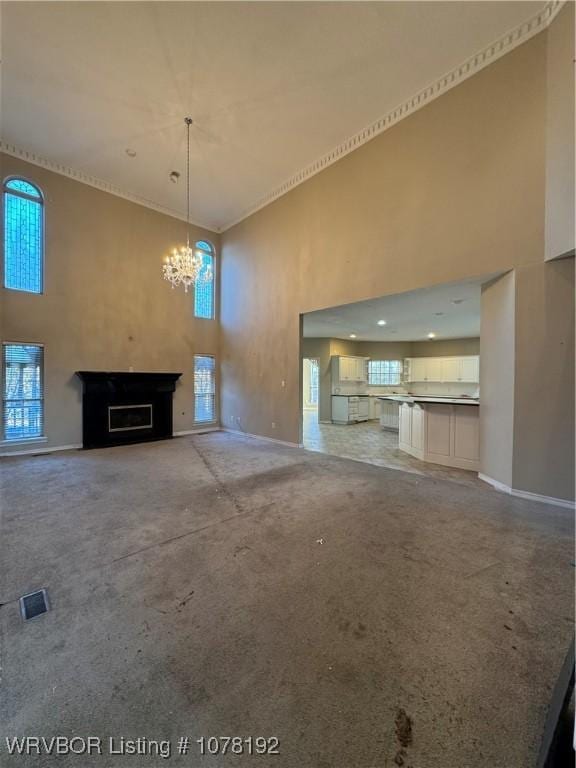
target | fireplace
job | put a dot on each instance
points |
(120, 408)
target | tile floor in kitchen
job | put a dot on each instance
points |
(368, 442)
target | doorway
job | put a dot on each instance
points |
(310, 382)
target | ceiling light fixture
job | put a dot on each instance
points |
(184, 266)
(352, 335)
(381, 322)
(431, 335)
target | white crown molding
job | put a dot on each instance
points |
(491, 53)
(505, 44)
(92, 181)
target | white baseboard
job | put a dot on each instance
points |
(198, 431)
(36, 451)
(261, 437)
(75, 446)
(503, 488)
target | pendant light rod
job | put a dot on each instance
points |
(188, 121)
(186, 266)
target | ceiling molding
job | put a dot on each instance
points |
(468, 68)
(92, 181)
(491, 53)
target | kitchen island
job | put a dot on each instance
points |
(442, 430)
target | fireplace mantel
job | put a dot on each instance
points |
(120, 407)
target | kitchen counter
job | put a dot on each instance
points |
(431, 399)
(440, 430)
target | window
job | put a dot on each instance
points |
(204, 289)
(313, 393)
(23, 236)
(384, 373)
(204, 388)
(23, 391)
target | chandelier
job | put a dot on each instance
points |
(185, 265)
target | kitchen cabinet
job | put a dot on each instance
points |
(418, 369)
(348, 409)
(375, 407)
(470, 369)
(405, 426)
(388, 414)
(346, 368)
(444, 369)
(441, 433)
(417, 427)
(451, 368)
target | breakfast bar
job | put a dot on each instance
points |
(441, 430)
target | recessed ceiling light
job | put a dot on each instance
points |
(381, 322)
(352, 335)
(431, 335)
(131, 152)
(457, 301)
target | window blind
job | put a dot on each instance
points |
(204, 388)
(23, 391)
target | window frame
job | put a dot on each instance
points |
(6, 441)
(42, 202)
(214, 419)
(212, 254)
(383, 373)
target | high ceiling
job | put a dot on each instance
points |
(451, 311)
(271, 86)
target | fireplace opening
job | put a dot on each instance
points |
(123, 418)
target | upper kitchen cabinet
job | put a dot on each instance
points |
(349, 369)
(470, 369)
(444, 369)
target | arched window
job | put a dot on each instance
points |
(23, 236)
(204, 288)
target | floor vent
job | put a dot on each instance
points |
(34, 604)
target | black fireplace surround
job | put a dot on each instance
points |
(120, 408)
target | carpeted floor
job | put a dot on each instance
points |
(219, 586)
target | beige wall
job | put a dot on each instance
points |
(560, 135)
(105, 305)
(452, 191)
(544, 379)
(497, 354)
(445, 348)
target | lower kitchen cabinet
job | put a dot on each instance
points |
(389, 414)
(348, 409)
(441, 433)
